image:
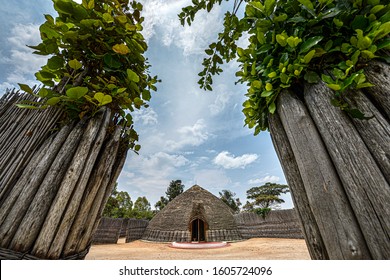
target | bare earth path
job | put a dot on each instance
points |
(252, 249)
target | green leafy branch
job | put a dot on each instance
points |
(97, 60)
(297, 41)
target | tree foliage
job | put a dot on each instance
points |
(97, 59)
(174, 189)
(228, 197)
(264, 197)
(296, 41)
(142, 209)
(120, 205)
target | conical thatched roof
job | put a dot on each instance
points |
(195, 214)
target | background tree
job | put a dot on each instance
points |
(229, 198)
(142, 209)
(161, 203)
(119, 205)
(174, 189)
(265, 197)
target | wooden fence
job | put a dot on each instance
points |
(108, 231)
(277, 224)
(52, 202)
(135, 229)
(338, 167)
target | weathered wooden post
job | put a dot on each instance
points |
(313, 79)
(53, 208)
(59, 163)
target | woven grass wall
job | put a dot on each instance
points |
(277, 224)
(108, 231)
(135, 229)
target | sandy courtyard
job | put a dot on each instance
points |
(252, 249)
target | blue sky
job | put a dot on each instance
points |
(186, 133)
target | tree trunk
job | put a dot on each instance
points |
(286, 156)
(367, 189)
(330, 206)
(52, 209)
(378, 73)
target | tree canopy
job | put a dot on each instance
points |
(120, 205)
(97, 59)
(265, 197)
(174, 189)
(228, 197)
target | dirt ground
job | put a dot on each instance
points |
(252, 249)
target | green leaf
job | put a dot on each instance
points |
(48, 31)
(364, 85)
(43, 92)
(111, 61)
(266, 93)
(76, 92)
(53, 101)
(26, 88)
(335, 87)
(309, 43)
(27, 106)
(138, 101)
(75, 64)
(63, 6)
(108, 18)
(132, 76)
(308, 57)
(293, 41)
(384, 44)
(327, 79)
(257, 84)
(357, 114)
(281, 39)
(146, 95)
(269, 6)
(121, 49)
(55, 63)
(91, 4)
(272, 108)
(102, 98)
(307, 3)
(377, 8)
(360, 22)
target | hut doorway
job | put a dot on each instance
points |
(198, 230)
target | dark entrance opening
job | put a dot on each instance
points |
(198, 230)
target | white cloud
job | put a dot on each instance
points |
(220, 102)
(212, 179)
(229, 161)
(150, 175)
(194, 135)
(161, 17)
(145, 116)
(22, 62)
(266, 179)
(163, 162)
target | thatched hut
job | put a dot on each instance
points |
(194, 215)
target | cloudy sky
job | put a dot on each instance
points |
(186, 133)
